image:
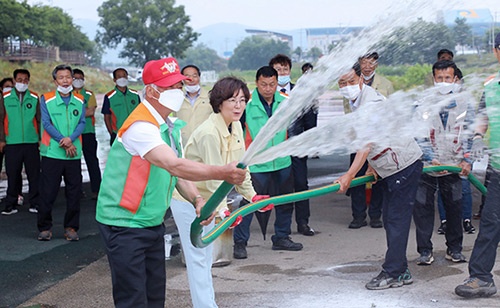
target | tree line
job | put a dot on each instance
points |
(42, 25)
(151, 29)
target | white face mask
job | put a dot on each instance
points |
(457, 87)
(6, 89)
(122, 82)
(78, 83)
(21, 87)
(65, 90)
(444, 87)
(369, 77)
(192, 89)
(350, 92)
(283, 80)
(172, 99)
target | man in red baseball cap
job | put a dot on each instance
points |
(164, 74)
(143, 168)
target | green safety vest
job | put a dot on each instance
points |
(492, 99)
(135, 193)
(20, 124)
(65, 119)
(89, 121)
(255, 118)
(121, 106)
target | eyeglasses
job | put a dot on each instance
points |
(234, 101)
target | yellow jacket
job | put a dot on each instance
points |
(212, 143)
(194, 115)
(382, 85)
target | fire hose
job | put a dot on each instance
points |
(223, 190)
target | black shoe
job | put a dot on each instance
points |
(285, 243)
(357, 223)
(376, 223)
(305, 230)
(468, 227)
(240, 251)
(442, 227)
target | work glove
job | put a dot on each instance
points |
(477, 148)
(263, 197)
(223, 213)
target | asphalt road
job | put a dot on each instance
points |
(330, 271)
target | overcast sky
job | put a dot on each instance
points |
(274, 14)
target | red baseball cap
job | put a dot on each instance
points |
(163, 73)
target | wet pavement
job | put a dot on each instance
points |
(331, 271)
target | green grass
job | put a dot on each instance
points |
(403, 76)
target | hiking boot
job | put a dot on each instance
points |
(475, 287)
(456, 257)
(426, 258)
(9, 211)
(384, 281)
(45, 235)
(357, 223)
(285, 243)
(71, 235)
(376, 223)
(468, 227)
(406, 277)
(240, 251)
(442, 227)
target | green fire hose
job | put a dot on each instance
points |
(224, 189)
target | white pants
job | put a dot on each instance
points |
(198, 260)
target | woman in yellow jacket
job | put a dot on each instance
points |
(217, 140)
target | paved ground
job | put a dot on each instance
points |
(331, 271)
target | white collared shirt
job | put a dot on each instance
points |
(142, 136)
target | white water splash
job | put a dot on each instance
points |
(383, 123)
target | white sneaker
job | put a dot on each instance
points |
(9, 211)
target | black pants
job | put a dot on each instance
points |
(136, 258)
(358, 197)
(398, 192)
(52, 172)
(450, 187)
(272, 183)
(302, 210)
(89, 148)
(485, 248)
(17, 155)
(112, 138)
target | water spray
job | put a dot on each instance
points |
(403, 114)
